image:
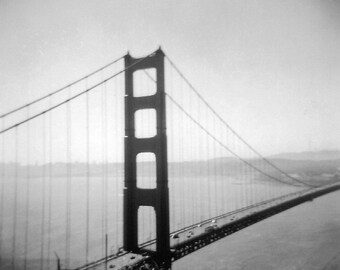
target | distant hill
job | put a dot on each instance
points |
(316, 156)
(315, 167)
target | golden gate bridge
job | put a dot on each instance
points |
(129, 167)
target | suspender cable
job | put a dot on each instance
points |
(104, 168)
(194, 205)
(247, 173)
(224, 179)
(27, 204)
(215, 171)
(2, 188)
(208, 180)
(15, 199)
(191, 158)
(201, 173)
(43, 194)
(173, 193)
(68, 182)
(50, 188)
(116, 178)
(221, 179)
(87, 222)
(239, 173)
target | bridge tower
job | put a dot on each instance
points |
(134, 197)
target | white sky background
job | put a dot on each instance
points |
(271, 68)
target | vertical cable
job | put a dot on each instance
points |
(68, 181)
(168, 119)
(2, 185)
(221, 175)
(200, 170)
(224, 175)
(239, 175)
(215, 171)
(105, 167)
(27, 206)
(171, 154)
(247, 173)
(251, 186)
(244, 191)
(209, 172)
(116, 178)
(175, 216)
(15, 199)
(87, 174)
(106, 250)
(49, 187)
(42, 232)
(192, 205)
(182, 173)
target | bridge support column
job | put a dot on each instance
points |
(134, 197)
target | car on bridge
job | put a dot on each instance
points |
(175, 236)
(211, 228)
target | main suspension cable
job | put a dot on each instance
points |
(60, 89)
(222, 144)
(228, 126)
(75, 96)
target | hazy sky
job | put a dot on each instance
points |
(271, 68)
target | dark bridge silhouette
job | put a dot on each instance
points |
(78, 194)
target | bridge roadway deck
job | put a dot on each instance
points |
(192, 238)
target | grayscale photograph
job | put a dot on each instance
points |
(159, 135)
